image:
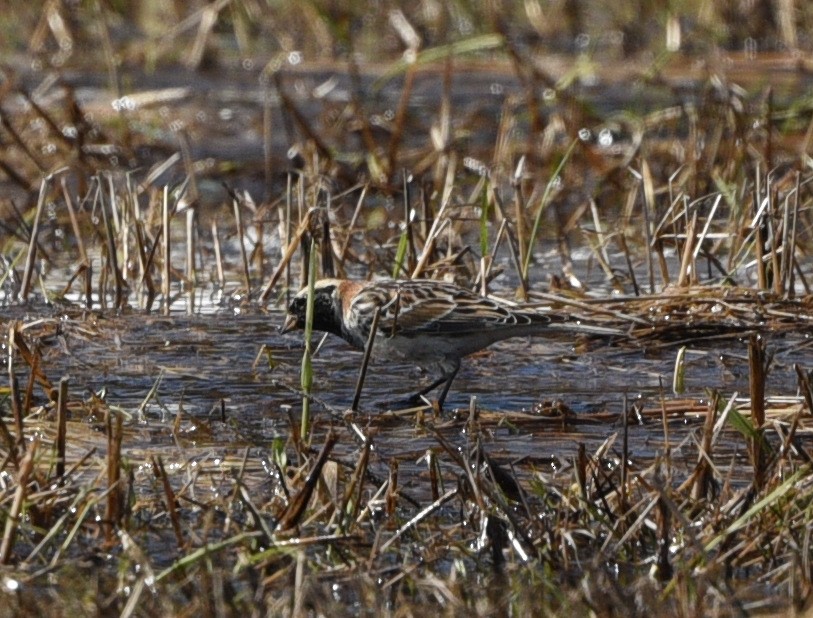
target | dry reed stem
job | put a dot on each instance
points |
(368, 350)
(31, 257)
(221, 275)
(758, 363)
(238, 220)
(290, 250)
(13, 519)
(17, 409)
(115, 495)
(296, 507)
(112, 253)
(167, 252)
(61, 427)
(171, 503)
(191, 271)
(352, 498)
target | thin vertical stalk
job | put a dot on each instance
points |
(191, 274)
(221, 277)
(351, 226)
(306, 374)
(16, 406)
(61, 427)
(31, 258)
(13, 519)
(519, 209)
(411, 259)
(83, 256)
(758, 362)
(648, 206)
(112, 253)
(288, 223)
(368, 349)
(165, 288)
(114, 437)
(542, 206)
(238, 219)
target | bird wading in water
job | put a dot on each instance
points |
(423, 321)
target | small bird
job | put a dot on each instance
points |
(424, 321)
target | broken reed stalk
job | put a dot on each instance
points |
(622, 243)
(172, 508)
(624, 484)
(703, 473)
(540, 209)
(34, 363)
(293, 245)
(368, 349)
(351, 226)
(804, 380)
(11, 447)
(258, 253)
(789, 245)
(647, 207)
(191, 272)
(306, 372)
(167, 247)
(296, 507)
(286, 228)
(419, 517)
(438, 225)
(519, 214)
(238, 220)
(411, 258)
(775, 238)
(221, 276)
(14, 386)
(145, 265)
(399, 122)
(77, 233)
(663, 516)
(352, 497)
(435, 477)
(515, 243)
(581, 470)
(112, 253)
(328, 267)
(61, 427)
(760, 228)
(13, 518)
(391, 498)
(687, 265)
(758, 363)
(114, 496)
(31, 258)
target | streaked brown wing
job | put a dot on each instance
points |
(431, 306)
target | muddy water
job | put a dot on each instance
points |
(211, 372)
(209, 365)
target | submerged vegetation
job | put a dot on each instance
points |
(171, 174)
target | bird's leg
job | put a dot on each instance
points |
(446, 379)
(432, 386)
(450, 376)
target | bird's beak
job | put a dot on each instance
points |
(290, 324)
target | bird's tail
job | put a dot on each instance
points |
(582, 327)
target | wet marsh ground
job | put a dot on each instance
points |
(166, 174)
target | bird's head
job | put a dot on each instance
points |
(327, 308)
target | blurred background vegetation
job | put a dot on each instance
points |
(58, 33)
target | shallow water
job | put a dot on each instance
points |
(208, 373)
